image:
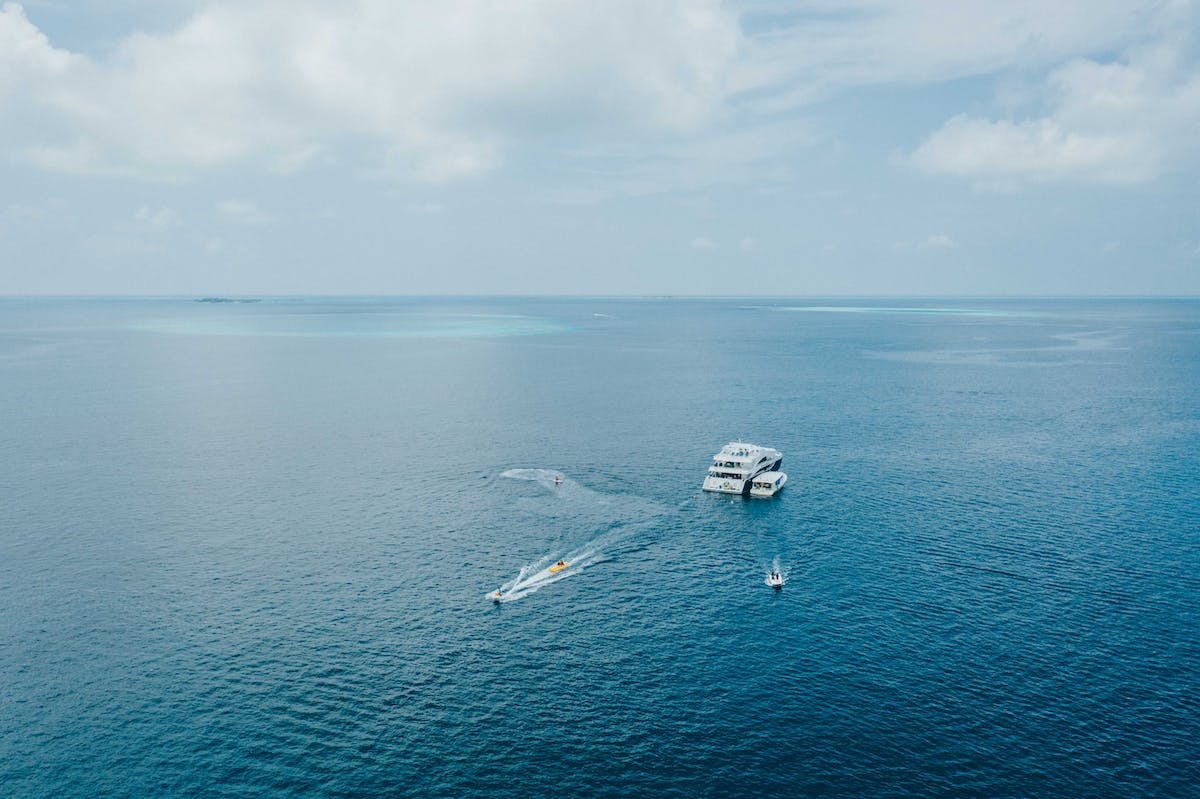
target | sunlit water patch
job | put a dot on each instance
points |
(225, 322)
(874, 309)
(1062, 348)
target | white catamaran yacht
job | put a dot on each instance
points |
(737, 464)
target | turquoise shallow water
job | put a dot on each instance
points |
(244, 549)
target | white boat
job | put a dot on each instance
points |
(775, 580)
(767, 484)
(737, 464)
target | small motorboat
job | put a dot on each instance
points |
(558, 479)
(496, 596)
(775, 580)
(557, 567)
(767, 484)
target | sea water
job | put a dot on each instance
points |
(246, 548)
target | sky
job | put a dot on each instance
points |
(642, 147)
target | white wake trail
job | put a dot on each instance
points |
(610, 518)
(776, 568)
(537, 575)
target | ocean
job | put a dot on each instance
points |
(246, 548)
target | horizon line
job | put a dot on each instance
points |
(585, 296)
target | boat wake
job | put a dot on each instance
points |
(776, 568)
(537, 575)
(593, 526)
(536, 475)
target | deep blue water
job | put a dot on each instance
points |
(245, 548)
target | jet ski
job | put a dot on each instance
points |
(557, 567)
(496, 596)
(775, 580)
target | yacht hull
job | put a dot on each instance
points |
(721, 486)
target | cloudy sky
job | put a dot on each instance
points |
(864, 147)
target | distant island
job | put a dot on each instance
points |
(225, 299)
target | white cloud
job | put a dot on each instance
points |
(702, 243)
(807, 52)
(1118, 122)
(759, 154)
(432, 90)
(934, 241)
(245, 212)
(50, 213)
(26, 55)
(440, 90)
(156, 219)
(33, 211)
(1037, 150)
